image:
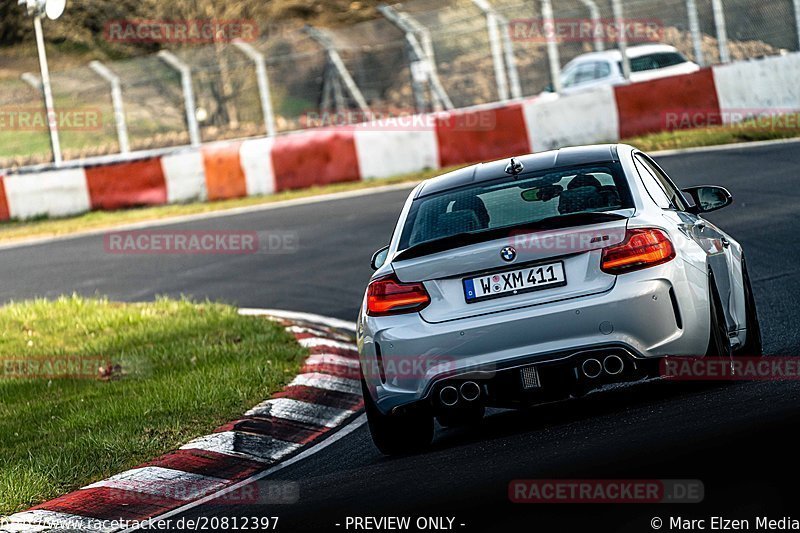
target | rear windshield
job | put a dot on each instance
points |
(508, 202)
(656, 61)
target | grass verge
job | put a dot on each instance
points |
(11, 231)
(184, 369)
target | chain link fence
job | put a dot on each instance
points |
(420, 55)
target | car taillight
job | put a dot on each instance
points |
(389, 296)
(642, 248)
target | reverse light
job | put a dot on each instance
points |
(389, 296)
(642, 248)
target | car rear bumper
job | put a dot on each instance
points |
(652, 313)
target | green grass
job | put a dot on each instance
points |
(711, 136)
(185, 369)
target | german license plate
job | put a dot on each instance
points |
(498, 285)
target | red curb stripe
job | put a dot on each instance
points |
(353, 354)
(127, 184)
(339, 400)
(334, 370)
(208, 463)
(107, 503)
(4, 213)
(279, 428)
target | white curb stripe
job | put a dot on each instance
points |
(163, 482)
(306, 317)
(318, 341)
(251, 446)
(299, 411)
(301, 330)
(55, 520)
(324, 381)
(318, 359)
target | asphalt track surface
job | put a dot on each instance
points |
(741, 440)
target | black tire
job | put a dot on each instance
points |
(469, 416)
(752, 346)
(719, 344)
(400, 434)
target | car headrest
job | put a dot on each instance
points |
(583, 180)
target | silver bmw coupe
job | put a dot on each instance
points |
(541, 278)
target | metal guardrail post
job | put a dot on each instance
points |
(116, 101)
(622, 38)
(694, 29)
(188, 93)
(52, 118)
(263, 83)
(796, 5)
(511, 60)
(496, 48)
(324, 40)
(594, 15)
(423, 63)
(722, 31)
(552, 45)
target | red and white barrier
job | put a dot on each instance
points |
(233, 169)
(54, 193)
(583, 118)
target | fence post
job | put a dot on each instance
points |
(622, 39)
(116, 101)
(422, 62)
(496, 48)
(552, 45)
(335, 60)
(796, 4)
(594, 15)
(694, 29)
(263, 83)
(188, 93)
(511, 61)
(722, 31)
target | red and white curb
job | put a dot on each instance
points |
(280, 431)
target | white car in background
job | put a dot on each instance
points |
(648, 62)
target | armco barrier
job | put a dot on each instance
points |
(747, 86)
(315, 158)
(127, 184)
(54, 193)
(644, 107)
(470, 135)
(185, 174)
(224, 175)
(334, 155)
(4, 215)
(583, 118)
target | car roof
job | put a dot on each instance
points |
(553, 159)
(633, 51)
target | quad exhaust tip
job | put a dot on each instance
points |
(448, 396)
(470, 391)
(592, 368)
(613, 365)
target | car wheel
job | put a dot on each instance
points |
(752, 346)
(719, 344)
(461, 417)
(399, 434)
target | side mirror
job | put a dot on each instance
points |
(379, 258)
(709, 198)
